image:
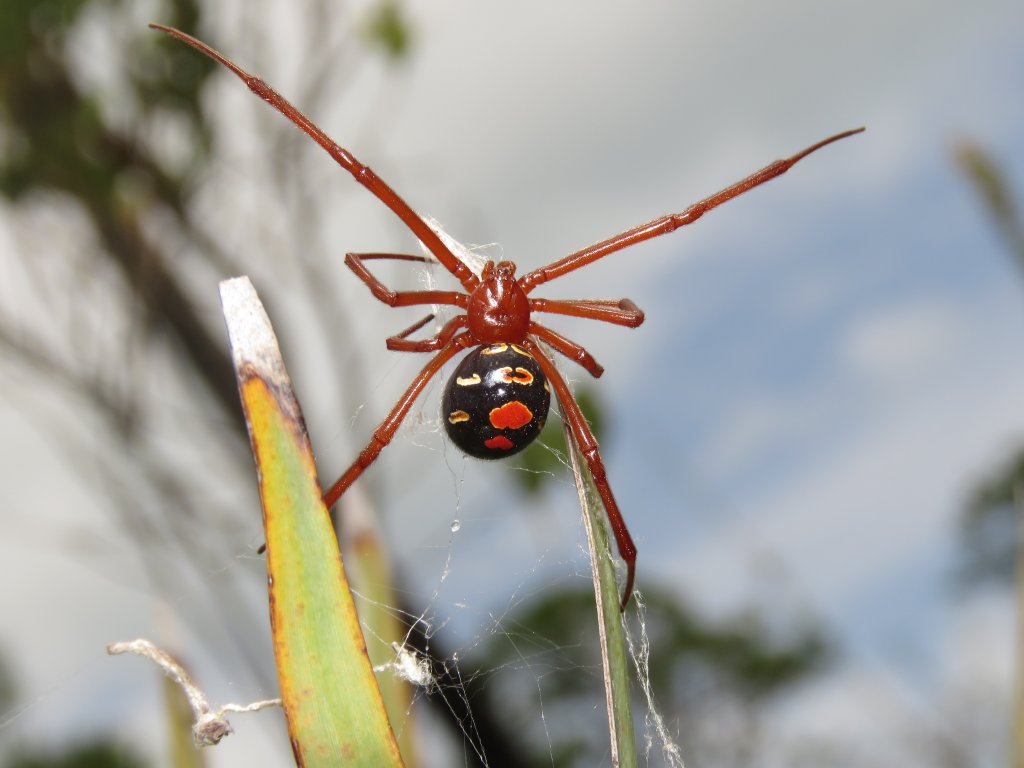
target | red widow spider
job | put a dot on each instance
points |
(498, 397)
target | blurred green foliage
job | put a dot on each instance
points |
(546, 456)
(59, 137)
(740, 653)
(96, 754)
(7, 686)
(991, 523)
(59, 140)
(389, 30)
(997, 198)
(694, 662)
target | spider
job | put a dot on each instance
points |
(497, 398)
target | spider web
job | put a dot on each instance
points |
(456, 675)
(458, 672)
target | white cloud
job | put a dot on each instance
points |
(906, 343)
(860, 509)
(874, 712)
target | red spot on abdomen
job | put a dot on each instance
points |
(513, 415)
(500, 442)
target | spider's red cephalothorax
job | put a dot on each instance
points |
(497, 312)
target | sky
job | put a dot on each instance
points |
(828, 364)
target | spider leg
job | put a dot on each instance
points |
(588, 447)
(363, 174)
(395, 257)
(354, 262)
(622, 312)
(669, 223)
(569, 348)
(387, 428)
(412, 328)
(399, 342)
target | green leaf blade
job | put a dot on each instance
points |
(333, 706)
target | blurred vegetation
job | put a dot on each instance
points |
(996, 196)
(389, 29)
(62, 140)
(546, 457)
(709, 677)
(179, 718)
(992, 520)
(96, 754)
(59, 140)
(7, 685)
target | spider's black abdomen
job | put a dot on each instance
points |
(496, 401)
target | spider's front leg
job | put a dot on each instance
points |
(588, 447)
(354, 261)
(361, 173)
(400, 341)
(621, 312)
(672, 222)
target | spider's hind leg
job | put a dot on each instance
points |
(587, 445)
(386, 429)
(569, 348)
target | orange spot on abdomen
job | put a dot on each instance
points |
(513, 415)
